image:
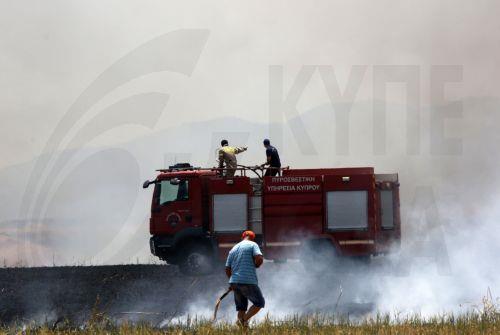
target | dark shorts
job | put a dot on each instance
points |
(245, 292)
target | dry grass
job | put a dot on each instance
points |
(474, 323)
(483, 319)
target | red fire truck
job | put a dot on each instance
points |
(315, 215)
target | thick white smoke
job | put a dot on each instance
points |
(95, 211)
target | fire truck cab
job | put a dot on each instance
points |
(197, 215)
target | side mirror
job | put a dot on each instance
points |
(175, 181)
(146, 184)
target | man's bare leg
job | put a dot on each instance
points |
(241, 319)
(251, 312)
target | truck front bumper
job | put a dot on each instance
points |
(163, 247)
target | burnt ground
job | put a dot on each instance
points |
(155, 293)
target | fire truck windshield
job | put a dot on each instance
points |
(169, 192)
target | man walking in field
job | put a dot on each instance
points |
(241, 263)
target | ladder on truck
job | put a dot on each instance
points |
(255, 207)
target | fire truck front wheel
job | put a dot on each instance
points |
(196, 259)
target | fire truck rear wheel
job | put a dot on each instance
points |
(319, 257)
(197, 260)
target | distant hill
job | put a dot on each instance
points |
(95, 207)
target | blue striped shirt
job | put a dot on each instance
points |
(242, 264)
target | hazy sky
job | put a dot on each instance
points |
(90, 207)
(50, 51)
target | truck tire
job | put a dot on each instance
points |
(196, 260)
(319, 257)
(355, 264)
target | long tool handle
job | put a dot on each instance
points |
(217, 304)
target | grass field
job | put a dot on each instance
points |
(486, 322)
(125, 285)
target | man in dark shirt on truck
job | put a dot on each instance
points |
(273, 159)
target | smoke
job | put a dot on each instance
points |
(448, 259)
(449, 221)
(442, 279)
(96, 212)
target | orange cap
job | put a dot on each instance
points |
(248, 233)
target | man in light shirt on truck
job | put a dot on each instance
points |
(227, 157)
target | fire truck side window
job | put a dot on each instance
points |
(173, 191)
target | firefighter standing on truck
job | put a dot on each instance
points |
(241, 263)
(227, 157)
(273, 159)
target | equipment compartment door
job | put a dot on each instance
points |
(228, 211)
(389, 230)
(350, 212)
